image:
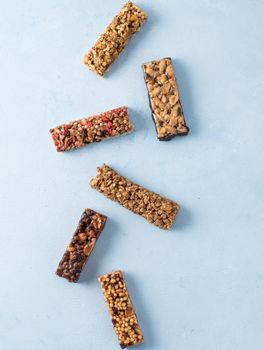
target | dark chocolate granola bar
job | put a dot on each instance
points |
(83, 241)
(114, 39)
(91, 129)
(119, 304)
(167, 112)
(156, 209)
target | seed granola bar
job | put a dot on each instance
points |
(91, 129)
(167, 112)
(119, 304)
(83, 241)
(154, 208)
(114, 39)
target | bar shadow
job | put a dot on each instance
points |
(183, 220)
(139, 121)
(105, 241)
(129, 51)
(144, 318)
(186, 97)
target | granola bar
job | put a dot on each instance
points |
(167, 112)
(119, 304)
(91, 129)
(154, 208)
(114, 39)
(83, 241)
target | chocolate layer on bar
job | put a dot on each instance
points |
(154, 208)
(91, 129)
(83, 241)
(114, 39)
(119, 304)
(167, 112)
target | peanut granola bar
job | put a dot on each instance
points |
(91, 129)
(114, 39)
(156, 209)
(83, 241)
(167, 112)
(119, 304)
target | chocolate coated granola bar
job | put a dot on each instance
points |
(154, 208)
(114, 39)
(167, 112)
(83, 241)
(91, 129)
(119, 304)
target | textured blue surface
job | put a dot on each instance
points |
(198, 286)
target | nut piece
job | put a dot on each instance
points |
(164, 99)
(70, 248)
(88, 247)
(82, 237)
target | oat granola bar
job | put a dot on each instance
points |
(91, 129)
(119, 305)
(114, 39)
(154, 208)
(83, 241)
(167, 112)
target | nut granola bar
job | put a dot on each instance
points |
(114, 39)
(91, 129)
(119, 304)
(167, 112)
(156, 209)
(83, 241)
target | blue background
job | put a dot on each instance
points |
(198, 286)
